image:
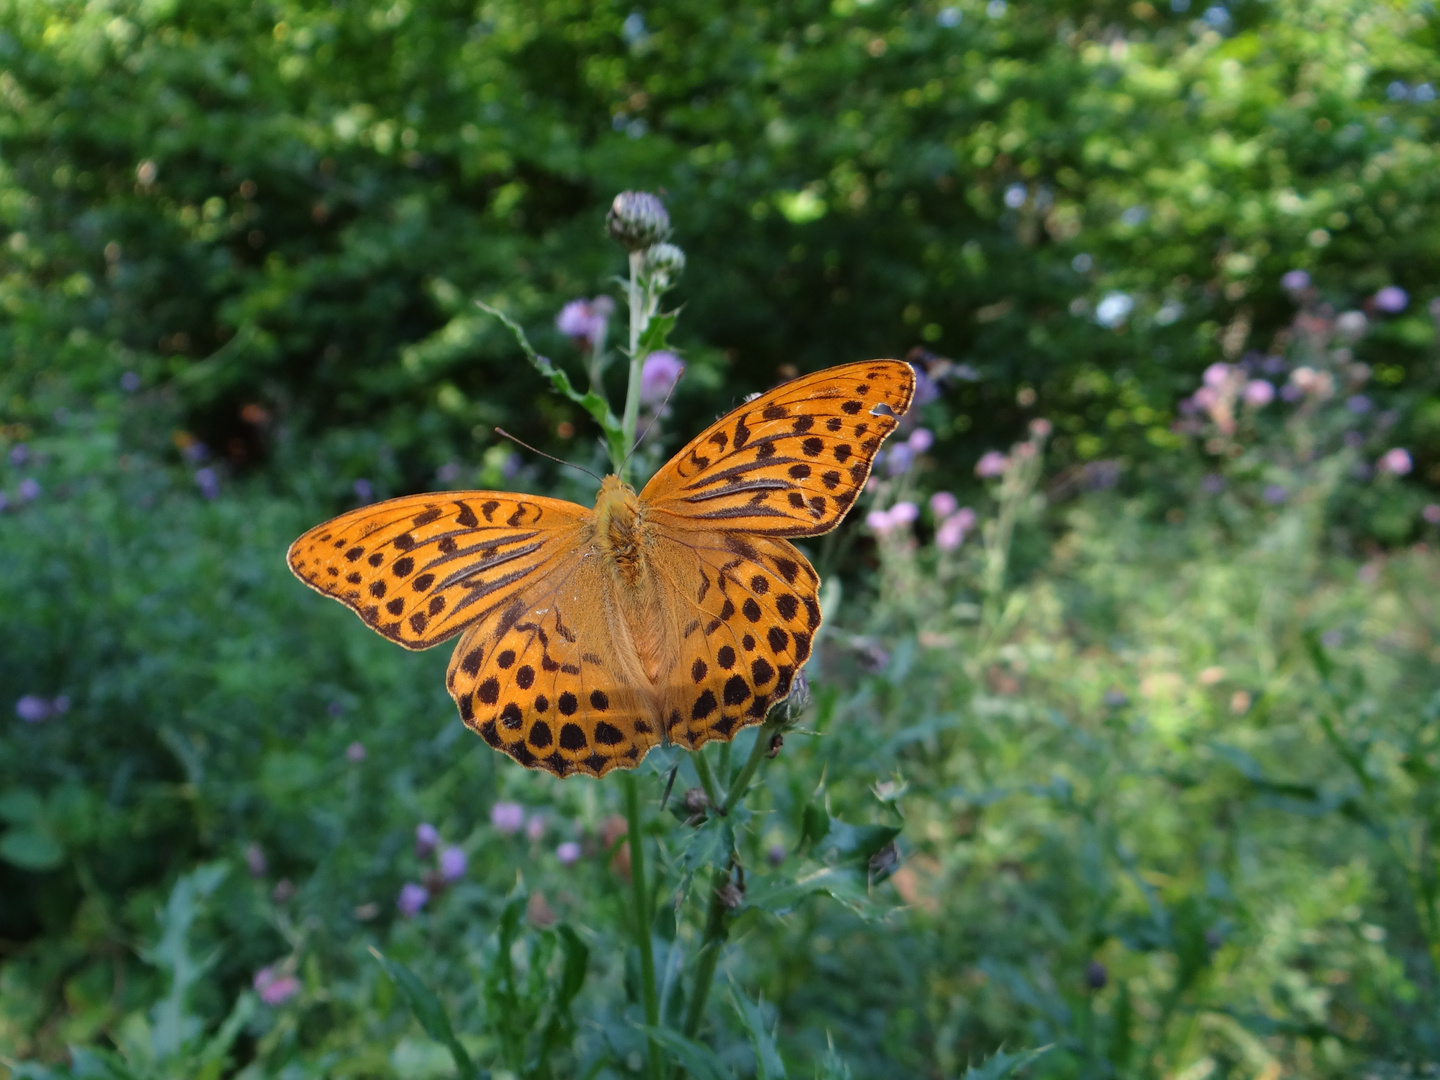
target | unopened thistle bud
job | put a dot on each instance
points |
(664, 263)
(637, 220)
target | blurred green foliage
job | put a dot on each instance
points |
(1142, 770)
(290, 205)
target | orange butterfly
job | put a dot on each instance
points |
(680, 614)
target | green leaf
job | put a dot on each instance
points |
(655, 334)
(1001, 1065)
(593, 403)
(427, 1009)
(768, 1065)
(31, 849)
(835, 842)
(21, 806)
(697, 1059)
(576, 961)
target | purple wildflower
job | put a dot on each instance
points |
(130, 382)
(60, 705)
(921, 439)
(507, 817)
(453, 863)
(568, 853)
(275, 988)
(991, 463)
(32, 708)
(29, 489)
(364, 490)
(19, 454)
(535, 828)
(1259, 393)
(1216, 375)
(661, 370)
(412, 898)
(951, 533)
(355, 752)
(1295, 281)
(1359, 404)
(208, 482)
(1431, 513)
(903, 513)
(1040, 428)
(1396, 461)
(585, 320)
(899, 459)
(943, 504)
(1391, 299)
(426, 837)
(1275, 494)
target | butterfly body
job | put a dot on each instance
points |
(680, 613)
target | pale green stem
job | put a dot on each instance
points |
(639, 319)
(707, 778)
(642, 917)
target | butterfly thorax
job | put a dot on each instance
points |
(620, 531)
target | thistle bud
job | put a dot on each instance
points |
(664, 263)
(637, 220)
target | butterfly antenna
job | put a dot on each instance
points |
(654, 419)
(552, 457)
(669, 784)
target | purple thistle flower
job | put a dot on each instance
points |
(568, 853)
(32, 708)
(275, 988)
(364, 490)
(208, 482)
(903, 513)
(453, 864)
(426, 837)
(1359, 404)
(1259, 393)
(130, 382)
(1275, 494)
(951, 533)
(1396, 461)
(19, 454)
(943, 504)
(899, 459)
(355, 752)
(991, 463)
(1295, 281)
(1216, 375)
(878, 522)
(1391, 299)
(661, 370)
(921, 439)
(29, 489)
(412, 898)
(507, 817)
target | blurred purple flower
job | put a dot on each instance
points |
(1207, 397)
(1259, 393)
(951, 533)
(453, 863)
(1041, 428)
(61, 704)
(878, 521)
(255, 861)
(364, 490)
(1295, 281)
(129, 382)
(195, 452)
(1391, 299)
(568, 853)
(1291, 392)
(1272, 365)
(921, 439)
(943, 504)
(899, 459)
(426, 837)
(903, 513)
(1431, 513)
(1216, 375)
(1212, 484)
(658, 374)
(991, 463)
(208, 482)
(355, 752)
(585, 320)
(1332, 639)
(29, 489)
(1396, 461)
(275, 988)
(19, 454)
(926, 389)
(507, 817)
(32, 708)
(535, 827)
(1359, 404)
(1275, 494)
(412, 898)
(4, 502)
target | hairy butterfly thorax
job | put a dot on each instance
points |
(620, 530)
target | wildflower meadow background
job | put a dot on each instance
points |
(1120, 754)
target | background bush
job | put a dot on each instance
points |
(1162, 758)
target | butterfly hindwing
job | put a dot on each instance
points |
(792, 461)
(545, 682)
(749, 609)
(422, 568)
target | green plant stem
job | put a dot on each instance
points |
(741, 782)
(707, 778)
(642, 916)
(715, 934)
(639, 318)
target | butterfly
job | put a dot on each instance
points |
(680, 614)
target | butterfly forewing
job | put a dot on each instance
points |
(792, 461)
(548, 683)
(748, 613)
(422, 568)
